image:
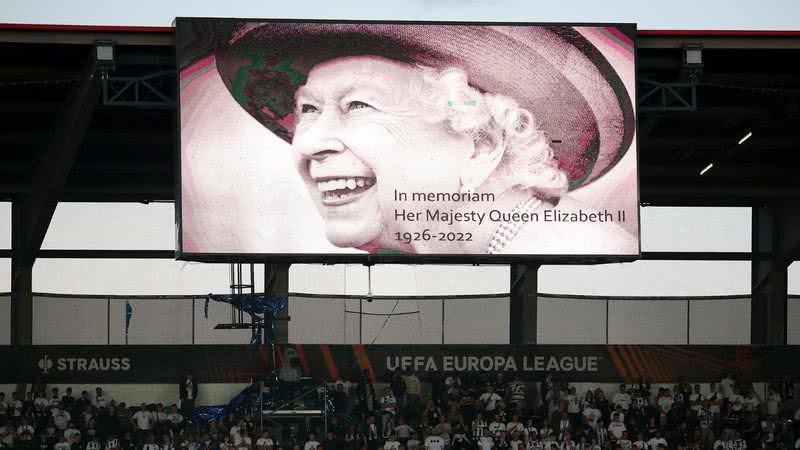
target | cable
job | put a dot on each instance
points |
(40, 82)
(389, 316)
(752, 88)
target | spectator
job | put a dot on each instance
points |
(640, 443)
(773, 406)
(62, 444)
(403, 431)
(151, 443)
(616, 428)
(68, 400)
(657, 441)
(101, 400)
(489, 399)
(497, 426)
(4, 407)
(143, 423)
(434, 442)
(622, 398)
(372, 436)
(414, 442)
(187, 392)
(516, 393)
(388, 409)
(175, 418)
(391, 443)
(413, 391)
(623, 442)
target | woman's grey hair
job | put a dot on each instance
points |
(527, 162)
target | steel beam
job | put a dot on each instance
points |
(56, 161)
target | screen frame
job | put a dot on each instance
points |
(399, 258)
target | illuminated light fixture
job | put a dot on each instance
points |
(746, 137)
(708, 167)
(104, 56)
(693, 61)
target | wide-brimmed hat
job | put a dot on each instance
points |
(554, 72)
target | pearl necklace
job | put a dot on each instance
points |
(507, 231)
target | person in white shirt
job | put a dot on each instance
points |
(391, 443)
(713, 400)
(657, 440)
(236, 433)
(516, 443)
(414, 442)
(696, 399)
(264, 442)
(622, 398)
(489, 399)
(545, 431)
(55, 399)
(530, 431)
(25, 427)
(573, 405)
(160, 419)
(533, 444)
(665, 403)
(388, 406)
(62, 444)
(496, 426)
(143, 423)
(15, 405)
(61, 418)
(773, 402)
(727, 384)
(312, 443)
(624, 442)
(93, 445)
(112, 443)
(640, 443)
(566, 442)
(41, 403)
(101, 400)
(485, 443)
(246, 443)
(434, 442)
(479, 426)
(71, 432)
(590, 415)
(721, 444)
(515, 426)
(403, 430)
(174, 417)
(736, 401)
(151, 443)
(751, 402)
(616, 428)
(167, 444)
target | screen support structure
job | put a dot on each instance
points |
(523, 307)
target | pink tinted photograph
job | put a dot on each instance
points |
(323, 138)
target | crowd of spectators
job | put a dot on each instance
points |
(461, 412)
(487, 412)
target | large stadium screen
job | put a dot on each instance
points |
(406, 142)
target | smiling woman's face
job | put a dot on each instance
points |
(363, 132)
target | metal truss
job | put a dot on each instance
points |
(666, 97)
(153, 90)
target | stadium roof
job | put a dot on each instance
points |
(63, 140)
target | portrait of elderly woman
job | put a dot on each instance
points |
(425, 139)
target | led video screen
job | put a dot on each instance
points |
(326, 141)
